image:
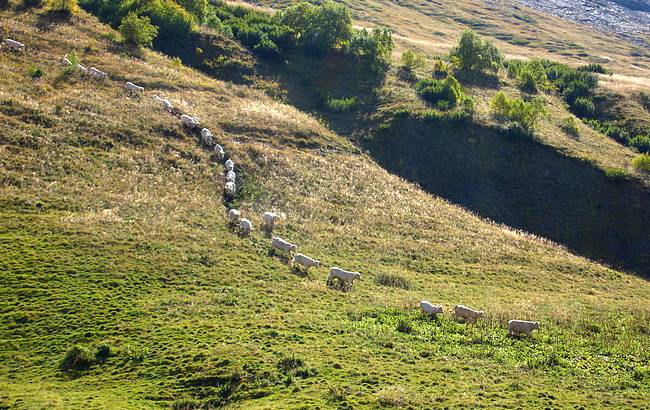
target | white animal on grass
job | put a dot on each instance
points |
(246, 226)
(230, 165)
(66, 61)
(430, 309)
(192, 122)
(83, 69)
(518, 327)
(304, 261)
(134, 88)
(206, 140)
(269, 219)
(98, 74)
(346, 277)
(219, 152)
(166, 104)
(230, 176)
(469, 315)
(230, 188)
(233, 216)
(14, 45)
(282, 245)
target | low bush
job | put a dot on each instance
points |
(374, 47)
(102, 353)
(63, 6)
(525, 114)
(138, 31)
(447, 91)
(474, 54)
(570, 126)
(610, 129)
(617, 174)
(641, 143)
(412, 60)
(594, 68)
(35, 72)
(583, 107)
(342, 104)
(644, 100)
(642, 162)
(78, 358)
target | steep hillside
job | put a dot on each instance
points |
(114, 239)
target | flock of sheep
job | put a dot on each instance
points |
(299, 261)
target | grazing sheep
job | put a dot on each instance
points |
(83, 69)
(192, 122)
(164, 102)
(230, 188)
(347, 278)
(518, 327)
(305, 261)
(230, 176)
(469, 315)
(282, 245)
(206, 140)
(14, 45)
(219, 152)
(98, 74)
(233, 216)
(230, 165)
(246, 226)
(134, 88)
(269, 219)
(429, 309)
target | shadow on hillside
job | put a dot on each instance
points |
(523, 184)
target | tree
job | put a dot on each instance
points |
(138, 30)
(197, 8)
(375, 47)
(474, 54)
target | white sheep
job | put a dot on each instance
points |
(469, 315)
(344, 276)
(206, 140)
(230, 176)
(98, 74)
(430, 309)
(83, 69)
(233, 216)
(282, 245)
(66, 61)
(14, 45)
(269, 219)
(166, 104)
(518, 327)
(230, 188)
(134, 88)
(192, 122)
(246, 226)
(305, 261)
(219, 151)
(230, 165)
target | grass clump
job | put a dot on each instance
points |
(35, 72)
(641, 143)
(642, 162)
(393, 281)
(616, 174)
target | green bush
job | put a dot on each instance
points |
(594, 68)
(35, 72)
(63, 6)
(583, 107)
(77, 359)
(641, 143)
(610, 129)
(412, 60)
(138, 31)
(441, 69)
(570, 126)
(197, 8)
(435, 91)
(531, 77)
(525, 114)
(642, 162)
(617, 174)
(373, 47)
(102, 353)
(474, 54)
(342, 104)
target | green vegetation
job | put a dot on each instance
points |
(617, 174)
(641, 143)
(576, 87)
(138, 31)
(531, 76)
(523, 114)
(570, 126)
(412, 60)
(393, 281)
(444, 94)
(63, 6)
(642, 162)
(594, 68)
(35, 72)
(474, 54)
(342, 104)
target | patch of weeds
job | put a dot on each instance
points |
(342, 104)
(393, 281)
(35, 72)
(79, 358)
(404, 326)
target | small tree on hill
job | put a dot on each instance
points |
(474, 54)
(138, 30)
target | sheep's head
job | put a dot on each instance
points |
(481, 314)
(317, 264)
(357, 275)
(535, 325)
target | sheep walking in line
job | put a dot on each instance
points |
(430, 310)
(230, 176)
(206, 137)
(517, 328)
(134, 88)
(97, 74)
(283, 246)
(83, 69)
(245, 226)
(219, 152)
(301, 261)
(230, 165)
(233, 216)
(269, 219)
(344, 277)
(192, 122)
(14, 45)
(467, 314)
(166, 104)
(66, 61)
(230, 188)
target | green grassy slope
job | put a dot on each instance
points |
(113, 232)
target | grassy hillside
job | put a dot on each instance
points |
(114, 239)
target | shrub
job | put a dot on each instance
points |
(63, 6)
(610, 129)
(570, 126)
(594, 68)
(641, 143)
(436, 91)
(393, 281)
(138, 31)
(102, 353)
(404, 326)
(35, 72)
(617, 174)
(198, 8)
(374, 47)
(412, 60)
(532, 77)
(642, 162)
(77, 359)
(525, 114)
(342, 104)
(474, 54)
(583, 107)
